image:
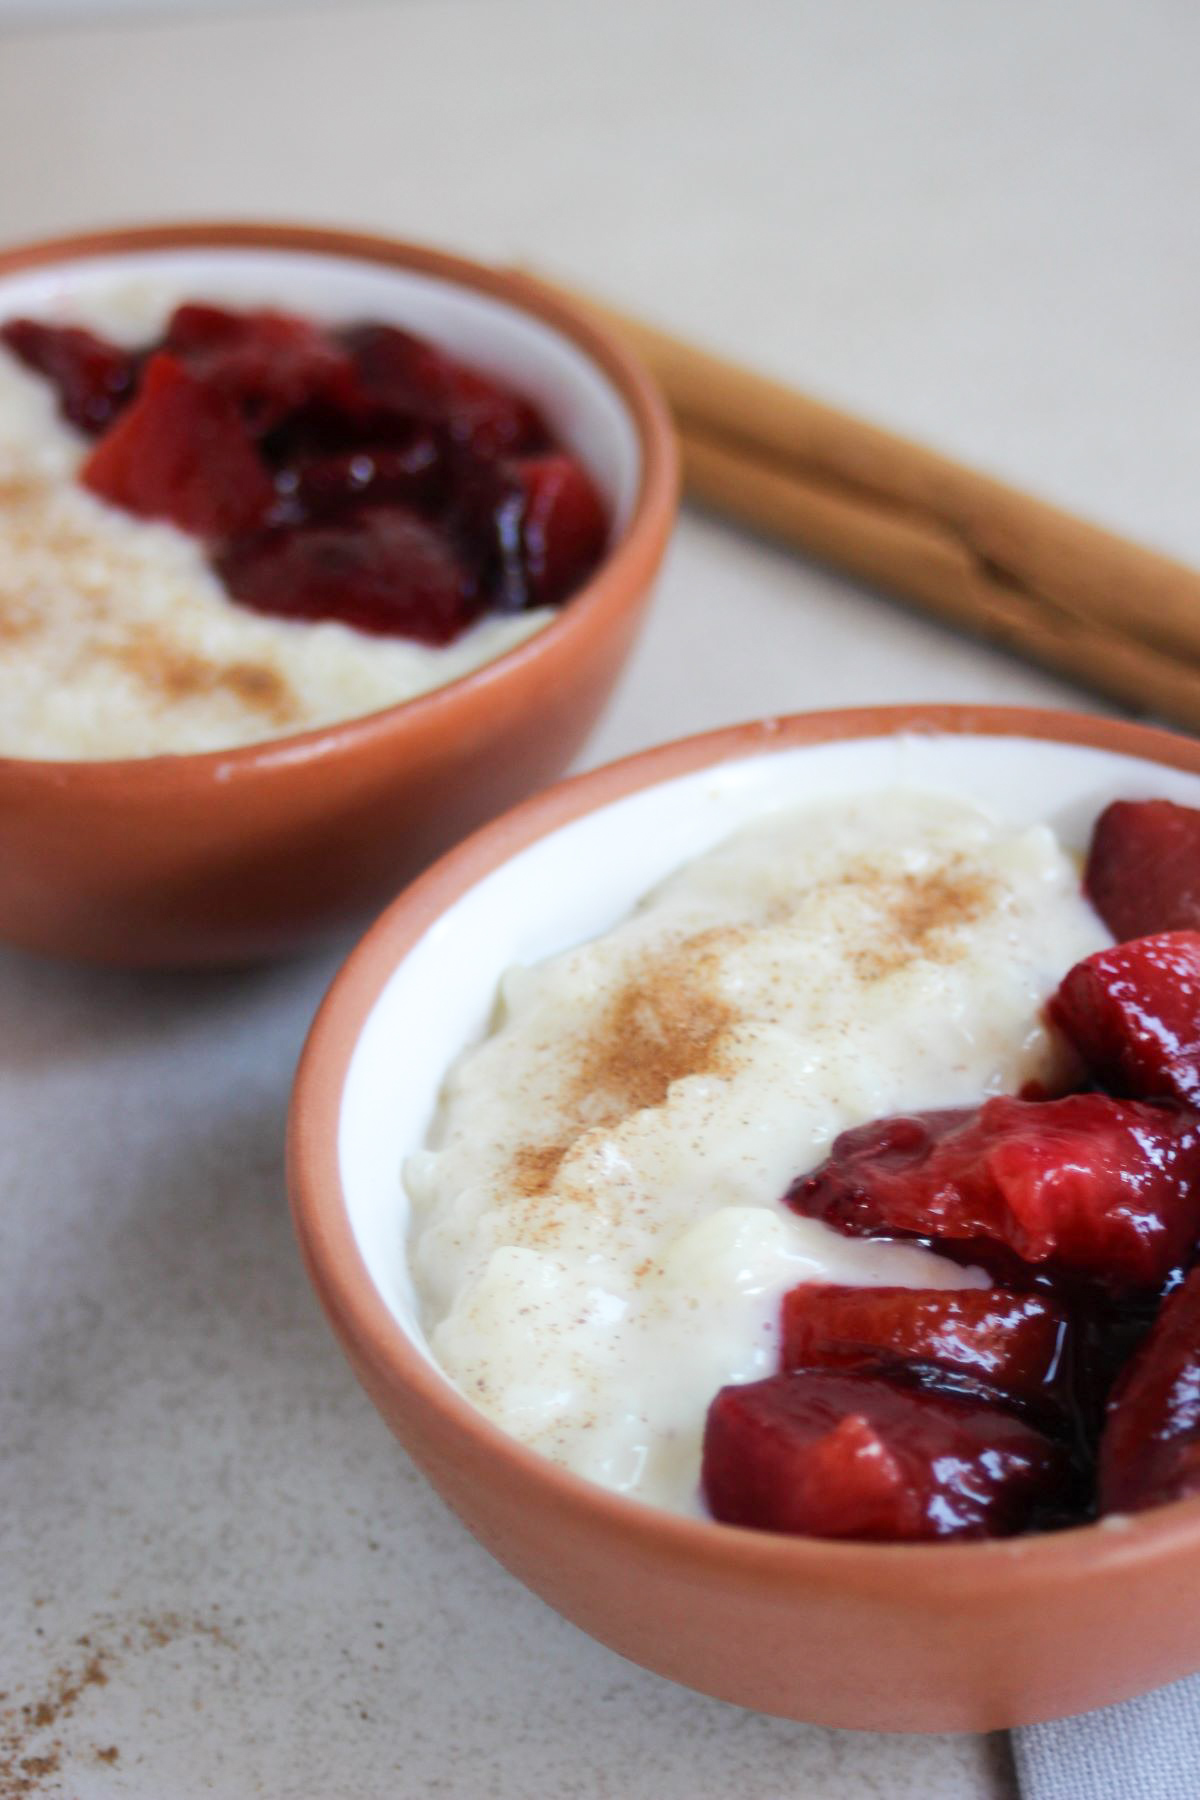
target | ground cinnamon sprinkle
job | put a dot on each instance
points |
(945, 897)
(168, 672)
(665, 1022)
(918, 911)
(181, 675)
(534, 1167)
(259, 686)
(22, 1770)
(29, 1758)
(668, 1019)
(38, 1767)
(31, 520)
(16, 619)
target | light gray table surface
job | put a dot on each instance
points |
(218, 1574)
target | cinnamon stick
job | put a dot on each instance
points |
(927, 564)
(1080, 599)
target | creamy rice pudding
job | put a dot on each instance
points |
(118, 639)
(598, 1237)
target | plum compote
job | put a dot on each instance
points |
(354, 473)
(861, 1455)
(1071, 1385)
(1150, 1445)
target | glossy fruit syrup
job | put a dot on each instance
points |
(1071, 1386)
(355, 473)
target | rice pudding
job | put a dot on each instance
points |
(598, 1238)
(119, 637)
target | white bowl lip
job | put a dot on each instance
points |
(375, 1339)
(633, 388)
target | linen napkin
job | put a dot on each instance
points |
(1144, 1749)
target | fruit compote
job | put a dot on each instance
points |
(1070, 1386)
(354, 473)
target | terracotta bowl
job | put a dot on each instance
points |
(251, 852)
(899, 1638)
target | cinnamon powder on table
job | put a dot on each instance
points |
(25, 1768)
(32, 1751)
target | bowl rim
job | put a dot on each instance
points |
(615, 586)
(952, 1573)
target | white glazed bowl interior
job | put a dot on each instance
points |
(578, 401)
(580, 879)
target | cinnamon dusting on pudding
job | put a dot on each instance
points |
(534, 1167)
(71, 578)
(175, 674)
(921, 913)
(17, 619)
(665, 1022)
(669, 1020)
(36, 526)
(939, 901)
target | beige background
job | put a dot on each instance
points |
(971, 221)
